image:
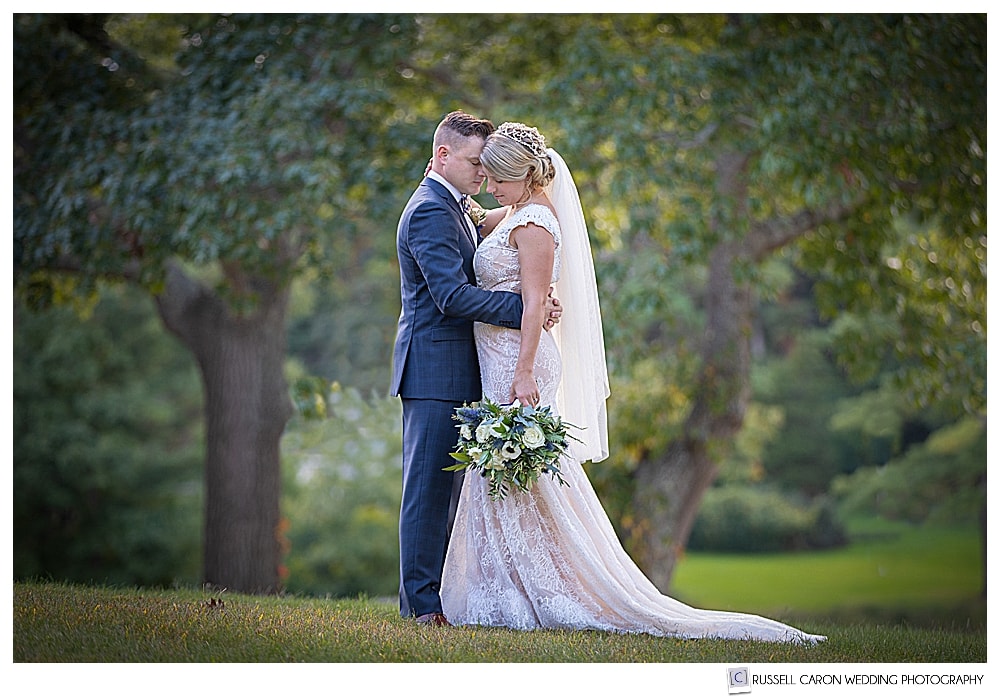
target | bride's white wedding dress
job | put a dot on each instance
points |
(550, 558)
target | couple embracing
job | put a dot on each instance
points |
(482, 318)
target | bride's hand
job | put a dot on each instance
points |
(525, 389)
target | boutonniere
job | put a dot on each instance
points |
(476, 212)
(478, 215)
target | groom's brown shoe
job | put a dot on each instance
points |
(435, 619)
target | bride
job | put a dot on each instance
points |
(549, 558)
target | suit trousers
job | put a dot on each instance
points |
(429, 502)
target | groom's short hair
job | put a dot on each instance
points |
(458, 123)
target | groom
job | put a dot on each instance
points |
(435, 367)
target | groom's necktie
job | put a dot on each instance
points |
(466, 203)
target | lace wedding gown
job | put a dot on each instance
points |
(549, 558)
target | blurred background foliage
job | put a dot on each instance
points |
(342, 494)
(107, 454)
(868, 386)
(107, 446)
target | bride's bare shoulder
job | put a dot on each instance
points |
(493, 218)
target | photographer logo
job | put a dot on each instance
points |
(739, 680)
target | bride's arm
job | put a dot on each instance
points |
(536, 255)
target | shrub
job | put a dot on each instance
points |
(107, 446)
(942, 480)
(744, 518)
(341, 499)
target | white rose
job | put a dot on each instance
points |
(533, 437)
(466, 432)
(483, 432)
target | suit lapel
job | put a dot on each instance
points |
(446, 196)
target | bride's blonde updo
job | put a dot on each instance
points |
(514, 152)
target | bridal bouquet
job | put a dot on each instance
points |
(512, 445)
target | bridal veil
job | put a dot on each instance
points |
(582, 397)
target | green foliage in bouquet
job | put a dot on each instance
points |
(511, 445)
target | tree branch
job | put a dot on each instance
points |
(179, 298)
(775, 233)
(673, 138)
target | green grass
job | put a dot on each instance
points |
(63, 623)
(897, 594)
(892, 572)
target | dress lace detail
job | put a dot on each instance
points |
(497, 269)
(550, 558)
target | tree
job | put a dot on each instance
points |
(209, 181)
(726, 140)
(747, 136)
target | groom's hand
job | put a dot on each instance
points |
(553, 310)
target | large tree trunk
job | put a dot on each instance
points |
(669, 488)
(241, 357)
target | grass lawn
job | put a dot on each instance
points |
(71, 624)
(890, 572)
(897, 595)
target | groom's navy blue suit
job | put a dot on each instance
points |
(435, 369)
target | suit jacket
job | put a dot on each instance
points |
(435, 353)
